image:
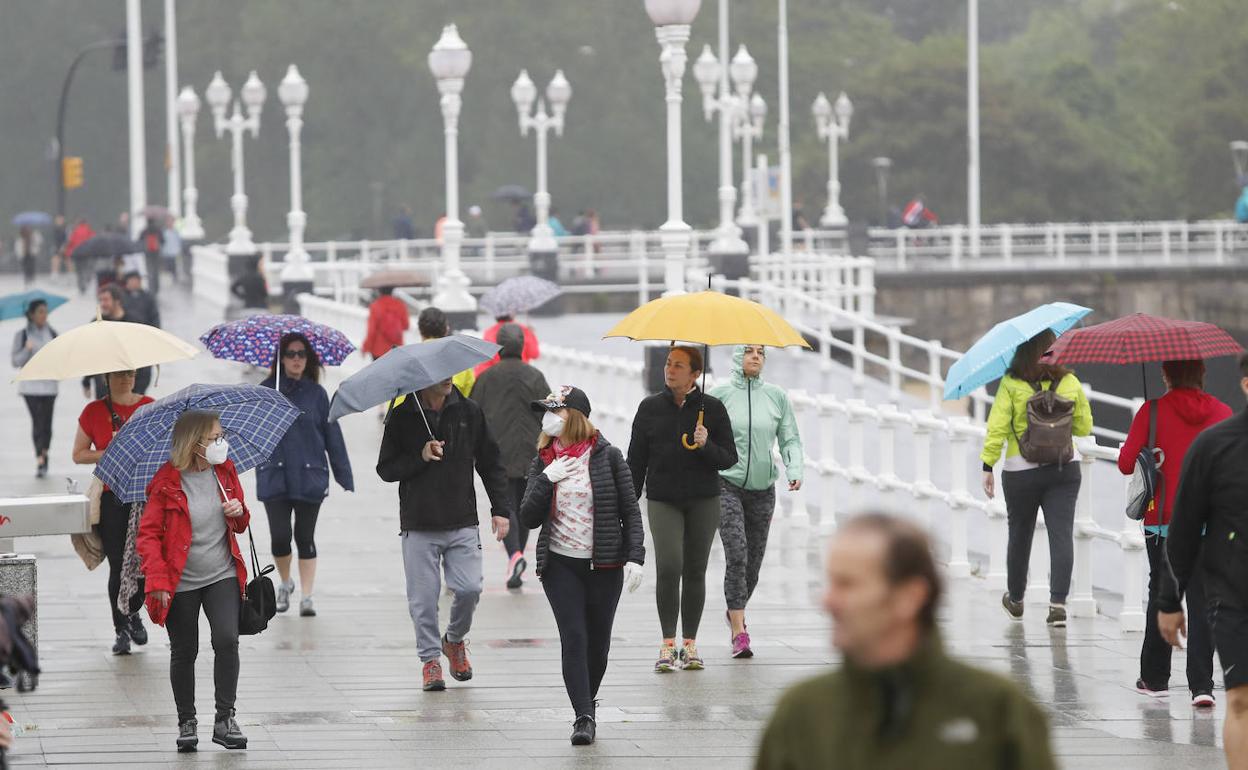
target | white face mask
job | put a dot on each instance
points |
(217, 451)
(552, 424)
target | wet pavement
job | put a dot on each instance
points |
(342, 689)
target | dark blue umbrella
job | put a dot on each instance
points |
(254, 340)
(32, 219)
(254, 420)
(14, 305)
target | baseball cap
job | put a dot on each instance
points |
(565, 396)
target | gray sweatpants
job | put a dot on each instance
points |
(457, 553)
(745, 519)
(1056, 490)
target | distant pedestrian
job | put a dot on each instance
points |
(898, 700)
(171, 248)
(153, 240)
(294, 481)
(97, 425)
(40, 395)
(475, 226)
(580, 492)
(404, 227)
(59, 238)
(430, 446)
(439, 228)
(433, 325)
(388, 319)
(682, 492)
(191, 560)
(27, 248)
(532, 350)
(556, 225)
(523, 220)
(81, 233)
(251, 288)
(761, 417)
(505, 394)
(112, 308)
(1031, 485)
(140, 305)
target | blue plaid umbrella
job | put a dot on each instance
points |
(519, 295)
(254, 420)
(254, 340)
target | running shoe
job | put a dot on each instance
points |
(1015, 609)
(121, 645)
(667, 659)
(741, 646)
(227, 733)
(1144, 689)
(1057, 616)
(1203, 699)
(515, 570)
(284, 590)
(307, 608)
(138, 634)
(690, 660)
(188, 735)
(432, 676)
(457, 654)
(583, 730)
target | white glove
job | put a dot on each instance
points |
(632, 576)
(559, 469)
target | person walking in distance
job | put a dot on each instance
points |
(681, 439)
(27, 247)
(1032, 480)
(99, 422)
(761, 417)
(1174, 421)
(294, 481)
(432, 453)
(191, 561)
(40, 395)
(388, 319)
(580, 492)
(505, 393)
(433, 325)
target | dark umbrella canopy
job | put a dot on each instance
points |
(1141, 338)
(511, 192)
(107, 245)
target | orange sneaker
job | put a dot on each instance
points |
(432, 675)
(457, 654)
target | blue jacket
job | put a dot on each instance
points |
(298, 469)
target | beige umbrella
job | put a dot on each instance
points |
(105, 346)
(394, 279)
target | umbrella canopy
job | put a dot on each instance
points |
(519, 295)
(14, 305)
(990, 357)
(708, 318)
(32, 219)
(254, 340)
(511, 192)
(155, 212)
(254, 420)
(105, 346)
(394, 279)
(407, 369)
(107, 245)
(1141, 338)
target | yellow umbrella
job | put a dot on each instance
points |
(105, 346)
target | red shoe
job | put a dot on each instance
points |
(457, 654)
(433, 677)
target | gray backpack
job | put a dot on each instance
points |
(1049, 436)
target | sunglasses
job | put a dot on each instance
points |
(294, 354)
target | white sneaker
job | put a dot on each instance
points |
(284, 590)
(306, 608)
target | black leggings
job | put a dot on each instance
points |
(583, 601)
(683, 534)
(279, 512)
(114, 521)
(40, 408)
(221, 602)
(517, 534)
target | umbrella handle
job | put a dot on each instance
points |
(684, 439)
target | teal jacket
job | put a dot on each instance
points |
(761, 415)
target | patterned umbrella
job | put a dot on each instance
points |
(1141, 338)
(254, 340)
(254, 420)
(519, 295)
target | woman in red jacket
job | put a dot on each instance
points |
(387, 320)
(191, 560)
(1182, 413)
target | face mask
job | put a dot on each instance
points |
(216, 451)
(552, 424)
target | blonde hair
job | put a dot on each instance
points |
(576, 428)
(191, 428)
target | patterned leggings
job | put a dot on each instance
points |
(745, 519)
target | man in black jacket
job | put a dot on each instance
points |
(432, 457)
(1209, 532)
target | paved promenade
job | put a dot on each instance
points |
(342, 689)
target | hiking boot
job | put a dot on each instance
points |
(226, 733)
(457, 655)
(1203, 699)
(1015, 609)
(432, 676)
(515, 569)
(583, 730)
(667, 659)
(122, 644)
(1057, 616)
(306, 608)
(690, 660)
(284, 590)
(138, 634)
(1144, 689)
(741, 646)
(188, 735)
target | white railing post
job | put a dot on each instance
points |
(1059, 238)
(886, 435)
(1219, 252)
(1165, 242)
(1007, 243)
(959, 498)
(1081, 602)
(1113, 243)
(402, 249)
(827, 465)
(900, 236)
(934, 379)
(894, 364)
(1135, 575)
(856, 411)
(490, 256)
(799, 514)
(860, 349)
(866, 288)
(955, 246)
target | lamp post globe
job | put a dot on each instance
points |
(822, 110)
(559, 93)
(669, 12)
(218, 95)
(192, 229)
(744, 71)
(758, 110)
(706, 72)
(450, 58)
(293, 90)
(523, 93)
(254, 93)
(844, 111)
(449, 62)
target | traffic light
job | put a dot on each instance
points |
(71, 172)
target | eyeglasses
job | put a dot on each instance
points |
(295, 354)
(214, 440)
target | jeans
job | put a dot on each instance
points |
(583, 601)
(517, 534)
(457, 554)
(221, 602)
(683, 534)
(279, 513)
(1155, 651)
(112, 529)
(1055, 489)
(745, 520)
(40, 408)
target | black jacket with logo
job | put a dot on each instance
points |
(658, 459)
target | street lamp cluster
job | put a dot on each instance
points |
(832, 123)
(558, 93)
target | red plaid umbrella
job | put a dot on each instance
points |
(1140, 338)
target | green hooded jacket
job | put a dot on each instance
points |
(761, 415)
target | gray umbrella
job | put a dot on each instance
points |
(408, 369)
(519, 295)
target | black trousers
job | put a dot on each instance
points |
(517, 534)
(1155, 652)
(221, 603)
(114, 521)
(583, 601)
(40, 408)
(279, 513)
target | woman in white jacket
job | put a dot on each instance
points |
(40, 395)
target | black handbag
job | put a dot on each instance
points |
(259, 600)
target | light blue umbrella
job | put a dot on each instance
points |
(988, 359)
(32, 219)
(14, 305)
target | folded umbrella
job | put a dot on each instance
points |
(32, 219)
(519, 294)
(100, 347)
(254, 420)
(14, 305)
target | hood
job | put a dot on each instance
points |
(1193, 406)
(738, 368)
(511, 339)
(289, 386)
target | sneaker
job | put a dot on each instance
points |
(1144, 689)
(188, 735)
(667, 659)
(432, 676)
(306, 608)
(690, 660)
(1057, 616)
(741, 646)
(284, 590)
(515, 569)
(457, 654)
(1203, 699)
(122, 644)
(227, 733)
(583, 730)
(1014, 608)
(138, 634)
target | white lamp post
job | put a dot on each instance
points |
(296, 273)
(749, 130)
(558, 93)
(218, 94)
(672, 19)
(188, 111)
(449, 61)
(832, 123)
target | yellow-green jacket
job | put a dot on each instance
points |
(1008, 418)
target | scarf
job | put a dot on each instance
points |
(555, 449)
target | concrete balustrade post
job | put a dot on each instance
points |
(886, 435)
(827, 465)
(900, 235)
(860, 349)
(924, 423)
(866, 277)
(959, 446)
(1081, 602)
(1135, 576)
(955, 246)
(935, 350)
(856, 412)
(799, 513)
(894, 364)
(1007, 243)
